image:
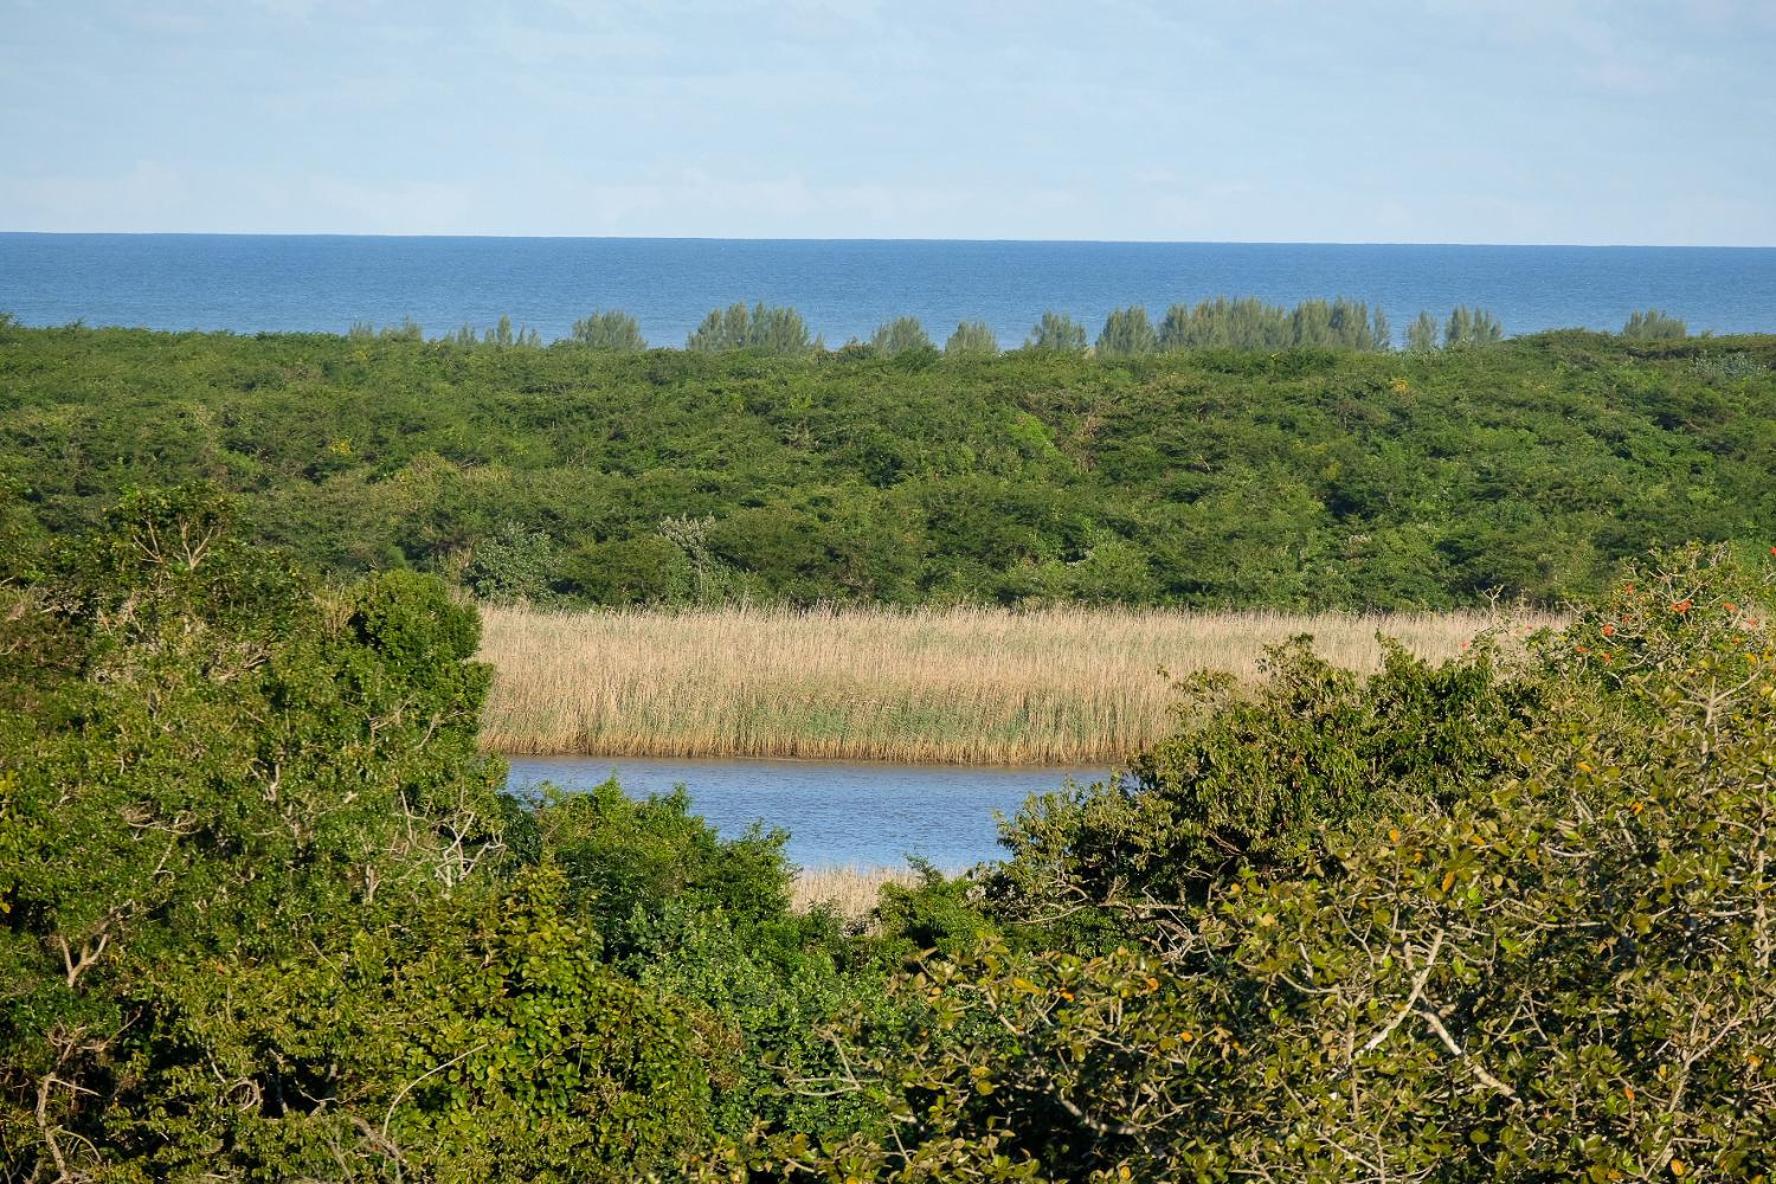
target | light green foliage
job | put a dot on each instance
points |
(1225, 324)
(972, 339)
(1729, 366)
(1652, 325)
(611, 329)
(502, 336)
(899, 336)
(1057, 332)
(1423, 334)
(1127, 332)
(22, 537)
(1250, 324)
(1471, 326)
(515, 564)
(407, 330)
(763, 328)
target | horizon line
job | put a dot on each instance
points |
(714, 238)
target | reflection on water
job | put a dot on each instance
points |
(838, 814)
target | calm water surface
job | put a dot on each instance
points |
(845, 288)
(838, 814)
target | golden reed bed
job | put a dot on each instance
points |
(850, 891)
(974, 686)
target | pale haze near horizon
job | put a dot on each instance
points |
(1540, 121)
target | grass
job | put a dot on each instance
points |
(966, 686)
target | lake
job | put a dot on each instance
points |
(845, 288)
(838, 814)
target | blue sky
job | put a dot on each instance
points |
(1522, 121)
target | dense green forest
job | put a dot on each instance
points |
(265, 915)
(589, 471)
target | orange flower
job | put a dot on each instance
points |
(1604, 656)
(1681, 607)
(1581, 649)
(1609, 630)
(1729, 606)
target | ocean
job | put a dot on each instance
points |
(845, 288)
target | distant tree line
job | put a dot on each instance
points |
(1243, 323)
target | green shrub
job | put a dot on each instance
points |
(938, 913)
(1127, 332)
(626, 860)
(972, 339)
(1249, 324)
(264, 915)
(609, 330)
(645, 570)
(1057, 333)
(1471, 326)
(899, 336)
(1258, 781)
(762, 328)
(215, 775)
(515, 564)
(1279, 478)
(1553, 963)
(1652, 325)
(1423, 334)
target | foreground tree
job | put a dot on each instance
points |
(1555, 964)
(248, 921)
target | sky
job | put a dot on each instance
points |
(1472, 121)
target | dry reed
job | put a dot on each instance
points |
(851, 892)
(970, 686)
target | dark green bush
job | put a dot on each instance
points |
(1553, 963)
(1203, 476)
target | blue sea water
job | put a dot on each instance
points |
(845, 288)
